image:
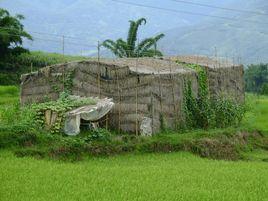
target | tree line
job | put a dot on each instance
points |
(256, 78)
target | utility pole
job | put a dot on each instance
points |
(98, 51)
(155, 47)
(99, 71)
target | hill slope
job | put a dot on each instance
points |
(236, 38)
(94, 20)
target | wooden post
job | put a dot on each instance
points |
(160, 89)
(106, 121)
(63, 78)
(173, 94)
(152, 110)
(119, 103)
(137, 130)
(99, 70)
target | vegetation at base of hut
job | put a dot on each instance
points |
(203, 111)
(18, 134)
(131, 47)
(32, 117)
(64, 104)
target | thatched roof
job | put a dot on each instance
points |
(211, 62)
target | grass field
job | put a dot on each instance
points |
(176, 176)
(173, 176)
(8, 95)
(257, 116)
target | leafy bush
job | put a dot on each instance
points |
(99, 134)
(227, 112)
(64, 104)
(209, 112)
(11, 138)
(9, 78)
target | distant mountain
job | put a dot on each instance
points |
(93, 20)
(90, 21)
(238, 38)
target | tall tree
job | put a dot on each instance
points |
(130, 47)
(11, 34)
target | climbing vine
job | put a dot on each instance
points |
(62, 82)
(68, 81)
(203, 111)
(57, 108)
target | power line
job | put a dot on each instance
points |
(222, 8)
(51, 40)
(44, 33)
(186, 12)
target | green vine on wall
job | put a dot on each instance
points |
(63, 82)
(197, 109)
(206, 112)
(68, 81)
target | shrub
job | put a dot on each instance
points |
(69, 149)
(13, 139)
(64, 104)
(32, 152)
(264, 89)
(98, 134)
(227, 112)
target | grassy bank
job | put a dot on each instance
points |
(226, 143)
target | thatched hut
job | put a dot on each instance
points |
(146, 91)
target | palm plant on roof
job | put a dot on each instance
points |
(131, 47)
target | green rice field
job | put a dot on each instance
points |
(148, 177)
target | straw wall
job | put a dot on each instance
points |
(158, 96)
